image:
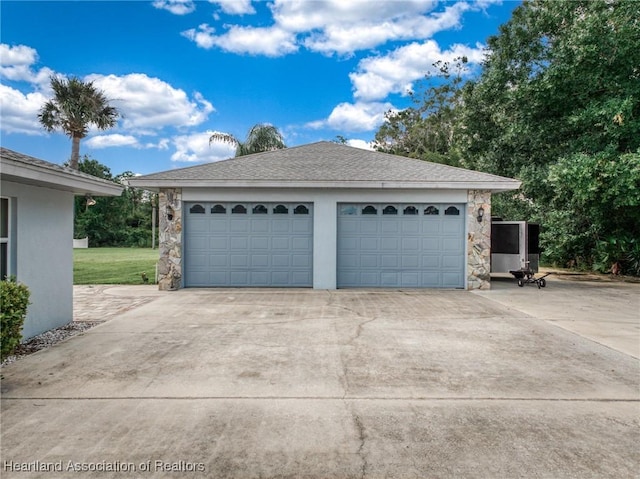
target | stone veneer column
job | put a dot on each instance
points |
(478, 240)
(170, 262)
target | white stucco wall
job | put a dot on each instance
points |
(44, 255)
(325, 220)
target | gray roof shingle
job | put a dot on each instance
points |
(319, 163)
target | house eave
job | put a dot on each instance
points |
(495, 186)
(33, 175)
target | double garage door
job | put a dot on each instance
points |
(271, 244)
(248, 244)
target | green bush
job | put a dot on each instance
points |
(14, 299)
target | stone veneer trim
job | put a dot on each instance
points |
(170, 247)
(479, 240)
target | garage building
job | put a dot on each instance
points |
(326, 216)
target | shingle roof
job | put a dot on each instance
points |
(30, 170)
(324, 164)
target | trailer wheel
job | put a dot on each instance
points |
(543, 282)
(520, 283)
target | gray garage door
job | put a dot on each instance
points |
(248, 244)
(401, 245)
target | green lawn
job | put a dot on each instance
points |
(113, 265)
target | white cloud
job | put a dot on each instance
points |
(177, 7)
(271, 42)
(363, 145)
(235, 7)
(379, 76)
(202, 36)
(16, 65)
(107, 141)
(150, 103)
(20, 111)
(355, 117)
(357, 26)
(331, 26)
(196, 148)
(147, 104)
(114, 140)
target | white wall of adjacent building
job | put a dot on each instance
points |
(41, 254)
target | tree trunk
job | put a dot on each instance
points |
(75, 152)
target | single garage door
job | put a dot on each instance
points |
(401, 245)
(248, 244)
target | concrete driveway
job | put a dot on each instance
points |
(337, 384)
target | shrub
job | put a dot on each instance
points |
(14, 299)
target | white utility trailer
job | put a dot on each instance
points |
(515, 249)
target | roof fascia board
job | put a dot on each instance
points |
(32, 174)
(435, 185)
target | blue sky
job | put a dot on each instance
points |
(179, 70)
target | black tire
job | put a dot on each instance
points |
(520, 283)
(543, 282)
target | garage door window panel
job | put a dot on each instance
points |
(348, 210)
(390, 210)
(260, 210)
(410, 211)
(218, 210)
(197, 210)
(369, 210)
(239, 210)
(431, 211)
(281, 210)
(452, 211)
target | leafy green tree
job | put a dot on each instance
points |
(74, 107)
(114, 221)
(428, 130)
(594, 219)
(557, 105)
(261, 137)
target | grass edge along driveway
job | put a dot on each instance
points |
(114, 265)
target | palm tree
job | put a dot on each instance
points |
(261, 137)
(74, 106)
